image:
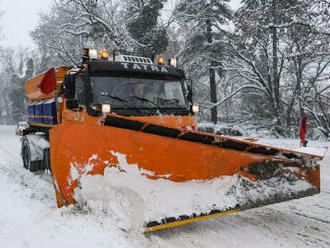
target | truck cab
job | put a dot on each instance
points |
(130, 86)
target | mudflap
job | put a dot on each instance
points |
(179, 181)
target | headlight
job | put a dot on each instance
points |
(174, 62)
(195, 108)
(106, 108)
(92, 53)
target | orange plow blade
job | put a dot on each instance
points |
(177, 176)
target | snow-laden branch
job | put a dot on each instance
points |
(233, 94)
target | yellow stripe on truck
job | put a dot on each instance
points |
(182, 222)
(41, 125)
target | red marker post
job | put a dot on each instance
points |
(302, 132)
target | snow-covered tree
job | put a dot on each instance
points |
(18, 66)
(144, 26)
(72, 25)
(275, 41)
(206, 23)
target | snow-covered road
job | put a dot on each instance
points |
(29, 216)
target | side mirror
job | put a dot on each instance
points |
(69, 86)
(72, 104)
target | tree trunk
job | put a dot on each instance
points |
(213, 88)
(275, 76)
(299, 78)
(276, 80)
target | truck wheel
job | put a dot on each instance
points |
(26, 155)
(46, 160)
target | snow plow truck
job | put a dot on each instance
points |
(124, 124)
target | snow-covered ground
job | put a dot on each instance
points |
(29, 216)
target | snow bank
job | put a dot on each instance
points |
(313, 148)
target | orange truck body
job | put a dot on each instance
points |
(163, 145)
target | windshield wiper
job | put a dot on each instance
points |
(114, 97)
(170, 101)
(126, 102)
(146, 100)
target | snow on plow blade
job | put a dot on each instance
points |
(177, 176)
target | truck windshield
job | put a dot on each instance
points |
(125, 92)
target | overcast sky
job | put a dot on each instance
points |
(21, 16)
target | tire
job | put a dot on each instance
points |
(46, 160)
(26, 155)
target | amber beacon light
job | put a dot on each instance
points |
(160, 60)
(104, 54)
